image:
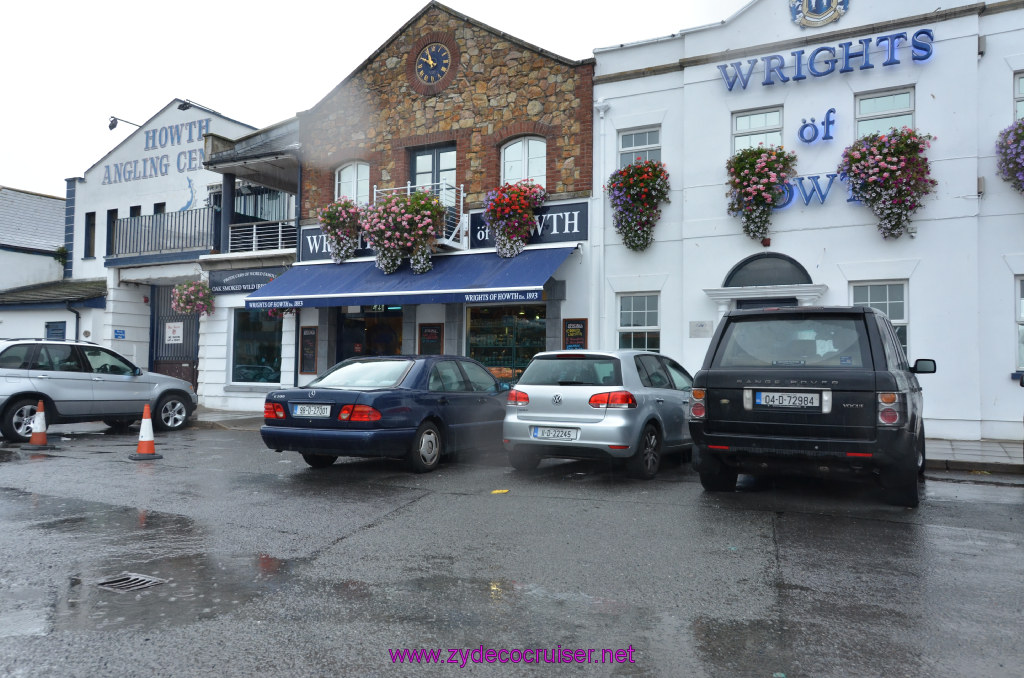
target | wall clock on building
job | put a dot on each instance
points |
(433, 62)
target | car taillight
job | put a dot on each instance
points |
(518, 398)
(890, 408)
(358, 413)
(273, 411)
(613, 399)
(697, 408)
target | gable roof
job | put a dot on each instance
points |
(31, 221)
(433, 4)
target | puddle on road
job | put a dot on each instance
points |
(199, 585)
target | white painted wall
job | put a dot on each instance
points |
(967, 250)
(20, 269)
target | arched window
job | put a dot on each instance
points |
(353, 181)
(524, 158)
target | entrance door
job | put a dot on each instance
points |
(174, 353)
(374, 330)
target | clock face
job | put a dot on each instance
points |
(433, 63)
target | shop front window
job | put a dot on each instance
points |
(372, 330)
(256, 347)
(505, 338)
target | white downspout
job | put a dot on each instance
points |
(597, 271)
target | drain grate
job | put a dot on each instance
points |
(126, 581)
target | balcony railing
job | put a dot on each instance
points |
(185, 231)
(262, 235)
(456, 222)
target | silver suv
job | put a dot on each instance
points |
(80, 381)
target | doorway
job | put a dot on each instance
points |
(372, 330)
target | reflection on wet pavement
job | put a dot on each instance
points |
(199, 585)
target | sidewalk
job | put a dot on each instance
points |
(993, 456)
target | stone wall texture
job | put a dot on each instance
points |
(501, 89)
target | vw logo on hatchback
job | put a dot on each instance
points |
(557, 399)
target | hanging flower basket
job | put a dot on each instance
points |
(404, 225)
(280, 312)
(192, 297)
(1010, 155)
(339, 222)
(509, 213)
(635, 191)
(890, 174)
(757, 182)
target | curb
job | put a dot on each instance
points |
(962, 465)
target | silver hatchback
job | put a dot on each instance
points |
(631, 405)
(80, 381)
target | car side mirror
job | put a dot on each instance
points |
(923, 366)
(137, 372)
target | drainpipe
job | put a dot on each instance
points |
(597, 267)
(298, 248)
(78, 317)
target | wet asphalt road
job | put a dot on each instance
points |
(267, 567)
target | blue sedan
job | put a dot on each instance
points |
(418, 408)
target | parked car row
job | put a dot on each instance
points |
(811, 391)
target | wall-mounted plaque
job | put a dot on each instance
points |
(307, 350)
(574, 333)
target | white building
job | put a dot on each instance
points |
(954, 284)
(138, 220)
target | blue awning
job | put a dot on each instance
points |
(456, 278)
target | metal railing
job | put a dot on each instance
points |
(161, 233)
(262, 235)
(456, 223)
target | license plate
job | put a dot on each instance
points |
(312, 410)
(548, 433)
(786, 399)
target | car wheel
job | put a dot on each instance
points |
(171, 413)
(319, 460)
(426, 449)
(17, 421)
(901, 488)
(524, 461)
(645, 463)
(714, 475)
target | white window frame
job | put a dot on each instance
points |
(648, 329)
(1018, 282)
(643, 143)
(749, 130)
(522, 150)
(883, 119)
(900, 322)
(355, 187)
(1018, 95)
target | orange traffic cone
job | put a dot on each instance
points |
(145, 448)
(37, 440)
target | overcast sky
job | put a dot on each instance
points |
(67, 66)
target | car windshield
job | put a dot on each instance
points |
(800, 341)
(573, 369)
(357, 374)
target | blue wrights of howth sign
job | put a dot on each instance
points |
(822, 61)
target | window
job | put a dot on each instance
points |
(643, 144)
(1018, 96)
(353, 181)
(134, 211)
(524, 158)
(159, 208)
(103, 361)
(434, 166)
(891, 299)
(111, 230)
(90, 235)
(1020, 323)
(879, 112)
(446, 377)
(479, 378)
(57, 330)
(256, 347)
(638, 322)
(755, 128)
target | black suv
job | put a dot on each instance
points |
(813, 391)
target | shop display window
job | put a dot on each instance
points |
(505, 338)
(256, 347)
